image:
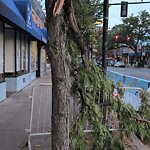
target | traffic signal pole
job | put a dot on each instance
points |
(104, 53)
(105, 29)
(105, 42)
(129, 3)
(105, 33)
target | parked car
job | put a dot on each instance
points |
(119, 64)
(110, 62)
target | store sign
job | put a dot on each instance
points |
(29, 16)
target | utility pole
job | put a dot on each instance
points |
(105, 33)
(104, 52)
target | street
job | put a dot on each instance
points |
(142, 73)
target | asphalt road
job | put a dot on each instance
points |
(142, 73)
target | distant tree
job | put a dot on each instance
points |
(132, 31)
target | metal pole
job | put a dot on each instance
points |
(105, 30)
(132, 3)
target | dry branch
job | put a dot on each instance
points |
(77, 34)
(139, 118)
(58, 7)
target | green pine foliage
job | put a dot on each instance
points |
(91, 82)
(93, 89)
(143, 129)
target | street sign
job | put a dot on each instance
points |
(124, 9)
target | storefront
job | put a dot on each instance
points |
(2, 80)
(16, 48)
(20, 43)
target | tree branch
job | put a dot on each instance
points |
(58, 7)
(69, 9)
(139, 118)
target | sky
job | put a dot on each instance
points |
(114, 11)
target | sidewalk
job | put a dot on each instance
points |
(15, 117)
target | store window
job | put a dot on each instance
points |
(24, 53)
(43, 60)
(21, 53)
(34, 56)
(1, 52)
(9, 51)
(18, 52)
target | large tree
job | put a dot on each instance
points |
(133, 30)
(59, 14)
(90, 85)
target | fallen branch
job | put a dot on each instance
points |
(77, 34)
(139, 118)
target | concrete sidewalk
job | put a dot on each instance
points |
(15, 117)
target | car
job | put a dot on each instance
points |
(119, 64)
(110, 62)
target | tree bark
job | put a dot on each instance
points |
(58, 54)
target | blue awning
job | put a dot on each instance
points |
(131, 54)
(25, 8)
(45, 36)
(147, 53)
(21, 5)
(9, 11)
(135, 54)
(35, 31)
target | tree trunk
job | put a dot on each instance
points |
(58, 54)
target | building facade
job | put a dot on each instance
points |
(22, 51)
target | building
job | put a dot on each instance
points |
(22, 41)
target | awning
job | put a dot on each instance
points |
(135, 54)
(131, 54)
(9, 11)
(34, 31)
(37, 33)
(45, 36)
(25, 8)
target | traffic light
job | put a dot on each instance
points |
(116, 37)
(124, 9)
(128, 38)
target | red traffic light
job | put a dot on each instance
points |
(128, 38)
(116, 37)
